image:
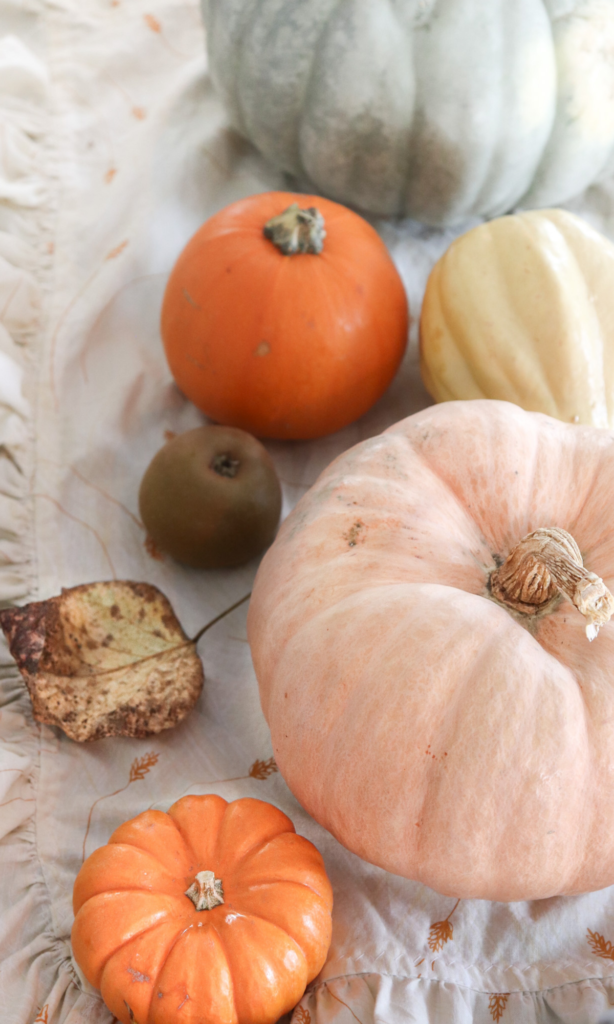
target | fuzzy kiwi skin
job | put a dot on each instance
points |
(210, 498)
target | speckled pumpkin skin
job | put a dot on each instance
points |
(429, 729)
(433, 109)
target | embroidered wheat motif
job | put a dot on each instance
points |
(262, 769)
(138, 770)
(600, 946)
(497, 1004)
(141, 766)
(441, 932)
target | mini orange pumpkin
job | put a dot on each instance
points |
(211, 912)
(284, 315)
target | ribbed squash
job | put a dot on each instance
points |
(522, 309)
(432, 696)
(435, 109)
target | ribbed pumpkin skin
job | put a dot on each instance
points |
(157, 960)
(521, 309)
(289, 347)
(436, 110)
(412, 715)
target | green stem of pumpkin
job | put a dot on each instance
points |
(296, 231)
(544, 564)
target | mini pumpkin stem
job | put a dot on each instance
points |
(296, 231)
(544, 564)
(206, 891)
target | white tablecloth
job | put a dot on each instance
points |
(113, 150)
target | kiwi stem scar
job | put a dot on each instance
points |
(225, 465)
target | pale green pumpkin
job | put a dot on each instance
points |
(434, 109)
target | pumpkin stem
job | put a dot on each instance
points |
(205, 891)
(295, 230)
(544, 564)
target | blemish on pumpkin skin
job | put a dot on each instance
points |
(354, 533)
(137, 975)
(195, 362)
(262, 349)
(190, 299)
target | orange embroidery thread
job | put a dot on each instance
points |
(260, 770)
(441, 932)
(301, 1016)
(138, 770)
(43, 1015)
(24, 799)
(95, 487)
(54, 337)
(344, 1004)
(87, 526)
(599, 945)
(497, 1004)
(156, 27)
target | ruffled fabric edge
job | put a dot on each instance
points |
(368, 998)
(37, 979)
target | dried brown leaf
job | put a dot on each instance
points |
(105, 659)
(440, 933)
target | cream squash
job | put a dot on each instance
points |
(522, 309)
(434, 109)
(419, 631)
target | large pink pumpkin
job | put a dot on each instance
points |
(432, 730)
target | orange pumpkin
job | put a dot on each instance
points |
(432, 695)
(284, 315)
(213, 912)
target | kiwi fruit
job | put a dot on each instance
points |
(210, 498)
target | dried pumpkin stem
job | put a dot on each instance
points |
(205, 891)
(296, 231)
(544, 564)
